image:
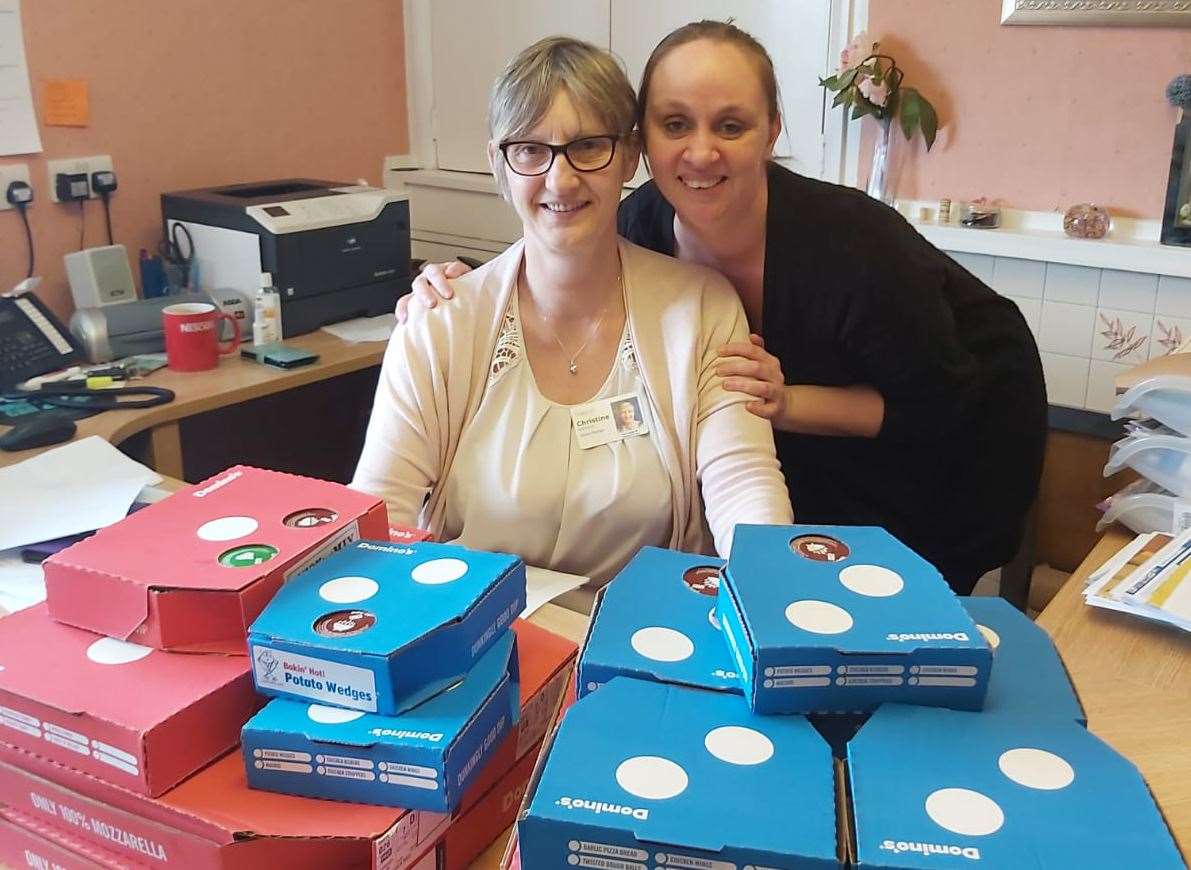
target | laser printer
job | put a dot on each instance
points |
(335, 250)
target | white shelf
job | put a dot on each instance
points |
(1130, 255)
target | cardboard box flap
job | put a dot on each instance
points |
(663, 777)
(1028, 676)
(843, 603)
(1014, 792)
(210, 517)
(430, 726)
(656, 620)
(79, 672)
(427, 586)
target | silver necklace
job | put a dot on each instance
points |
(572, 365)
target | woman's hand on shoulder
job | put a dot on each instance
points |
(749, 368)
(431, 285)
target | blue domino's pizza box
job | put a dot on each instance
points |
(423, 759)
(1028, 676)
(839, 619)
(656, 621)
(944, 789)
(381, 627)
(645, 774)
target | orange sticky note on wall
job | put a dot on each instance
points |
(65, 103)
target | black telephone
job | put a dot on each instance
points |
(32, 341)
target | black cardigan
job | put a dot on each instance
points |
(853, 294)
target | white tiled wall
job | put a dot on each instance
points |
(1090, 324)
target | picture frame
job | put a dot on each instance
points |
(1098, 13)
(1176, 215)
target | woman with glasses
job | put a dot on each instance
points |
(496, 418)
(903, 391)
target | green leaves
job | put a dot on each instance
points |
(912, 110)
(916, 111)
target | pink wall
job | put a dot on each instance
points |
(1037, 117)
(188, 93)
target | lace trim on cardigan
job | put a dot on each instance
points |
(510, 348)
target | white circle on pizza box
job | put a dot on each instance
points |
(1036, 768)
(348, 590)
(227, 528)
(964, 811)
(112, 651)
(736, 744)
(331, 715)
(651, 777)
(438, 571)
(994, 639)
(662, 644)
(818, 617)
(872, 580)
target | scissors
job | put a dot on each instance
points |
(175, 253)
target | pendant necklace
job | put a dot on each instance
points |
(573, 365)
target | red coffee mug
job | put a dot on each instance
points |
(192, 336)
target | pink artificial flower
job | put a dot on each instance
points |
(855, 51)
(877, 94)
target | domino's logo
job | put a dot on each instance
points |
(901, 846)
(600, 807)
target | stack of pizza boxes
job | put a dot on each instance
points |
(824, 698)
(123, 696)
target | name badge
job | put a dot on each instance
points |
(606, 420)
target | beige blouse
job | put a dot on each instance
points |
(718, 457)
(522, 483)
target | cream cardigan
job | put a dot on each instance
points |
(436, 370)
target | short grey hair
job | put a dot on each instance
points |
(589, 75)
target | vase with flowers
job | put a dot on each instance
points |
(869, 83)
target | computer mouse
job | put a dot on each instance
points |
(39, 430)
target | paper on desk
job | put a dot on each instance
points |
(18, 123)
(21, 584)
(74, 488)
(543, 586)
(377, 328)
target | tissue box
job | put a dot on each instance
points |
(942, 789)
(422, 760)
(656, 621)
(382, 627)
(1028, 676)
(835, 619)
(135, 716)
(648, 774)
(191, 572)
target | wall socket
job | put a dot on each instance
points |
(10, 173)
(74, 165)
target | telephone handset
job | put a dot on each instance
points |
(32, 341)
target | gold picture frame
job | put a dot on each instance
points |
(1098, 13)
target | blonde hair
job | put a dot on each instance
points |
(524, 92)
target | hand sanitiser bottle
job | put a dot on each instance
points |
(266, 321)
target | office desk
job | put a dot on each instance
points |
(235, 380)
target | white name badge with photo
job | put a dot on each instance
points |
(606, 420)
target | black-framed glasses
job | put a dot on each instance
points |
(589, 154)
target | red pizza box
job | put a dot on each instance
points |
(547, 663)
(24, 842)
(191, 572)
(213, 821)
(408, 535)
(477, 828)
(141, 718)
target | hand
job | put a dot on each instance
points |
(431, 285)
(754, 371)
